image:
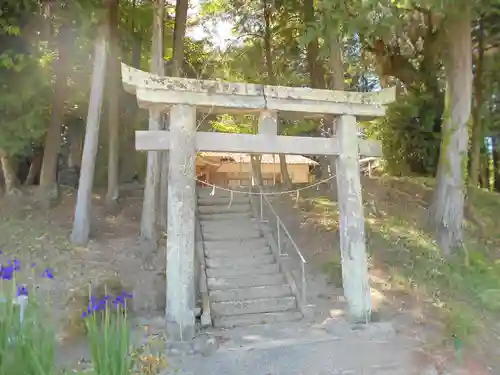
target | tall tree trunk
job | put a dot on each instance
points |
(314, 63)
(9, 174)
(128, 156)
(48, 176)
(255, 160)
(148, 233)
(75, 139)
(477, 138)
(484, 173)
(271, 78)
(284, 172)
(336, 67)
(35, 167)
(81, 223)
(255, 163)
(317, 79)
(447, 209)
(181, 8)
(2, 180)
(495, 148)
(114, 75)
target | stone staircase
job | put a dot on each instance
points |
(246, 285)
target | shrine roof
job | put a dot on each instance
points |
(266, 158)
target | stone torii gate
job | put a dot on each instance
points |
(183, 97)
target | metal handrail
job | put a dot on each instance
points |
(202, 286)
(281, 226)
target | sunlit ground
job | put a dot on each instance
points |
(462, 293)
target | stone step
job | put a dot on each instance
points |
(256, 292)
(224, 216)
(223, 224)
(234, 245)
(224, 209)
(224, 283)
(230, 233)
(248, 261)
(256, 319)
(253, 306)
(261, 269)
(222, 201)
(237, 250)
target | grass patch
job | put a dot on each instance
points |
(27, 348)
(110, 342)
(464, 290)
(463, 293)
(333, 270)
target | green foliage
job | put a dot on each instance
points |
(410, 134)
(333, 270)
(24, 103)
(24, 81)
(110, 342)
(233, 124)
(27, 348)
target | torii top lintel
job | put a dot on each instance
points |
(220, 96)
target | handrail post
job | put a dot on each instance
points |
(304, 295)
(261, 206)
(279, 228)
(278, 234)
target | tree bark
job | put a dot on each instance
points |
(447, 208)
(75, 138)
(128, 156)
(9, 175)
(477, 131)
(336, 67)
(484, 172)
(284, 172)
(484, 169)
(35, 168)
(255, 160)
(271, 78)
(113, 193)
(314, 63)
(495, 146)
(81, 223)
(2, 180)
(150, 215)
(48, 175)
(181, 8)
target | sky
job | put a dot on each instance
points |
(221, 32)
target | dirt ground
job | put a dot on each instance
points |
(37, 236)
(313, 222)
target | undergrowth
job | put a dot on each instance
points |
(464, 289)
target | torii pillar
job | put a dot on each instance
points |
(180, 318)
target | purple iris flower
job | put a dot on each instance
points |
(119, 299)
(95, 305)
(16, 264)
(22, 290)
(48, 273)
(126, 295)
(7, 272)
